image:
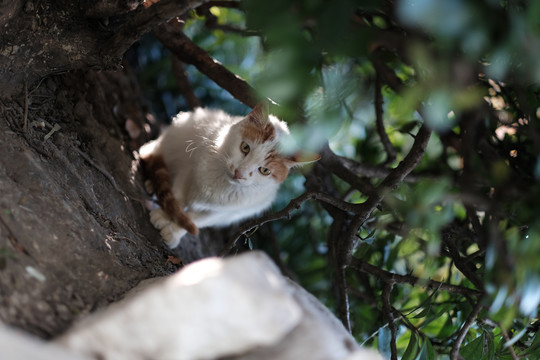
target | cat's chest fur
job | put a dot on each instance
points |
(203, 151)
(212, 169)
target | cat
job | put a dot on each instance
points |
(212, 169)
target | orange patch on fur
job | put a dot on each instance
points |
(157, 172)
(258, 134)
(277, 165)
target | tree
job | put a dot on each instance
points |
(419, 226)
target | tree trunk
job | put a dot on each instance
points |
(41, 38)
(74, 229)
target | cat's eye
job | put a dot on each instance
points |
(244, 147)
(264, 171)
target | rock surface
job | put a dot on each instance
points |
(239, 308)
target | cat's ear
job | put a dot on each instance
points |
(259, 114)
(301, 158)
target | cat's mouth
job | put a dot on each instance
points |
(235, 179)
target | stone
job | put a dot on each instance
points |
(239, 308)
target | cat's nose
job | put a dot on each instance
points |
(237, 174)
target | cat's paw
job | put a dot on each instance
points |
(159, 219)
(172, 234)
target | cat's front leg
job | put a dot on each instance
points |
(170, 232)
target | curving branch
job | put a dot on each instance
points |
(183, 83)
(388, 147)
(285, 213)
(393, 278)
(387, 306)
(172, 36)
(454, 354)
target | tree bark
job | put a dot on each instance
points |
(74, 228)
(41, 38)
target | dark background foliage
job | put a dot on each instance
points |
(361, 78)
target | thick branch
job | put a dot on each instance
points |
(179, 44)
(144, 19)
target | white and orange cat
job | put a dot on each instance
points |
(212, 169)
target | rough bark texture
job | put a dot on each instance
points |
(40, 38)
(74, 231)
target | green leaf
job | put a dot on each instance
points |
(427, 352)
(473, 350)
(448, 328)
(490, 346)
(412, 348)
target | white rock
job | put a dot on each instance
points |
(17, 345)
(212, 308)
(240, 308)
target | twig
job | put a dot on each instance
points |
(391, 321)
(343, 297)
(388, 75)
(395, 177)
(369, 171)
(389, 277)
(505, 335)
(179, 44)
(388, 147)
(454, 353)
(461, 263)
(285, 213)
(183, 83)
(333, 163)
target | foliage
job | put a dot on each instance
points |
(462, 232)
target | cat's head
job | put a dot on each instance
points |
(253, 150)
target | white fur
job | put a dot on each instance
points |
(202, 151)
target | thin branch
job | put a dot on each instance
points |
(183, 83)
(179, 44)
(369, 171)
(388, 147)
(454, 353)
(393, 278)
(391, 321)
(333, 163)
(460, 262)
(285, 213)
(395, 177)
(343, 298)
(505, 335)
(389, 77)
